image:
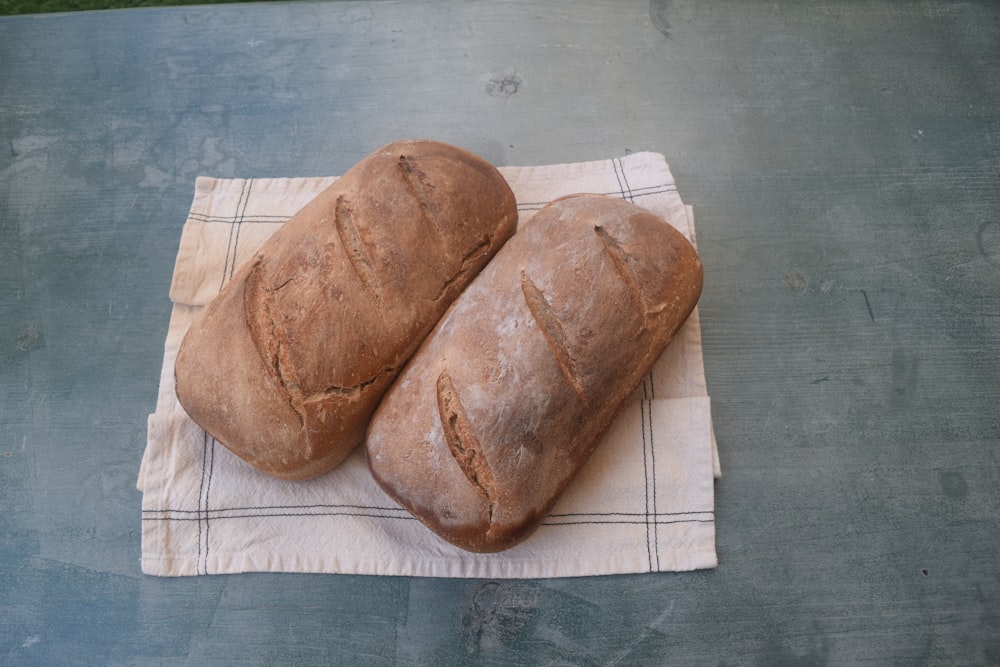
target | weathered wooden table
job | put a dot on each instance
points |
(844, 164)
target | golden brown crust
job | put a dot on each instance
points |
(508, 396)
(286, 365)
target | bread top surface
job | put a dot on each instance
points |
(507, 397)
(285, 366)
(354, 279)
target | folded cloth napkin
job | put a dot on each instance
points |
(643, 503)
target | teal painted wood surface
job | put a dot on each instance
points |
(844, 162)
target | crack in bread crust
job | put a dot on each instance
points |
(548, 321)
(482, 247)
(343, 391)
(462, 441)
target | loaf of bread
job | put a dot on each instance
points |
(287, 364)
(508, 396)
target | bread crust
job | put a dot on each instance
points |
(287, 364)
(508, 396)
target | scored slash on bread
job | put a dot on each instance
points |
(462, 439)
(549, 324)
(350, 239)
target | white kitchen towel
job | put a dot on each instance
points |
(643, 503)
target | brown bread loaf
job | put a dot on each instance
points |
(287, 364)
(508, 396)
